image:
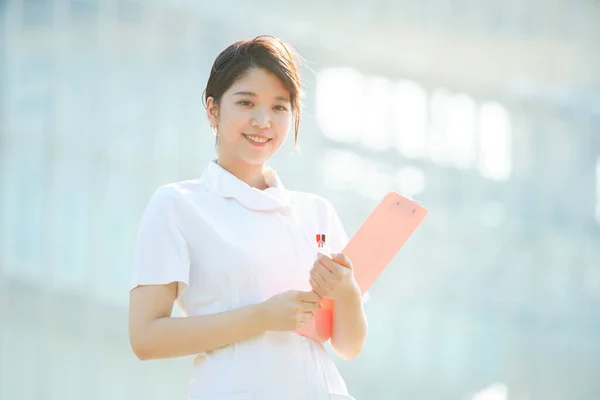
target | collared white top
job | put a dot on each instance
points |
(229, 245)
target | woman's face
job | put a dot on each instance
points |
(252, 119)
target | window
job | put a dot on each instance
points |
(461, 130)
(37, 13)
(341, 169)
(495, 142)
(598, 190)
(497, 391)
(376, 179)
(340, 103)
(84, 7)
(345, 170)
(452, 129)
(28, 219)
(409, 118)
(376, 132)
(130, 11)
(410, 180)
(447, 128)
(71, 261)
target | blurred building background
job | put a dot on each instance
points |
(487, 112)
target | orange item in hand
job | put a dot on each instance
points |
(370, 250)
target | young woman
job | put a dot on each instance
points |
(237, 251)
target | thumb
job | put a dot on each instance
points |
(341, 259)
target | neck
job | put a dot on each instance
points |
(252, 175)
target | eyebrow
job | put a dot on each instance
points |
(252, 94)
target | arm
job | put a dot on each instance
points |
(332, 277)
(349, 325)
(162, 256)
(153, 333)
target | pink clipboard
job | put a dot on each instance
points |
(371, 249)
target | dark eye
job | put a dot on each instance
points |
(280, 108)
(245, 103)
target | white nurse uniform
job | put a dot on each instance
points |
(229, 245)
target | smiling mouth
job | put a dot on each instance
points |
(257, 139)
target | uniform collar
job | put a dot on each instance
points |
(222, 183)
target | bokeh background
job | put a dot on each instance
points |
(487, 112)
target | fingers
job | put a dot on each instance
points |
(302, 319)
(308, 297)
(321, 276)
(331, 265)
(309, 307)
(326, 279)
(322, 271)
(316, 287)
(341, 259)
(325, 261)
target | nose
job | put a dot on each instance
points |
(262, 119)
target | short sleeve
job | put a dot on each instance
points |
(338, 238)
(161, 254)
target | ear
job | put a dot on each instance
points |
(212, 111)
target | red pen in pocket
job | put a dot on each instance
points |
(320, 240)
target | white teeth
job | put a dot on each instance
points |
(257, 139)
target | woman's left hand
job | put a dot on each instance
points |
(332, 277)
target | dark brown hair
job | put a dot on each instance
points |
(263, 51)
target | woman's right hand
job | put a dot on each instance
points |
(290, 310)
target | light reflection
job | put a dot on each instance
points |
(339, 103)
(452, 129)
(497, 391)
(461, 130)
(410, 118)
(345, 170)
(410, 180)
(438, 138)
(376, 133)
(376, 180)
(495, 142)
(341, 169)
(378, 114)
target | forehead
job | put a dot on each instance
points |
(260, 82)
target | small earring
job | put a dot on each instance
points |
(215, 131)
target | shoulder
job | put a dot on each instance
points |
(178, 190)
(181, 188)
(174, 195)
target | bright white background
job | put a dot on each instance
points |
(487, 112)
